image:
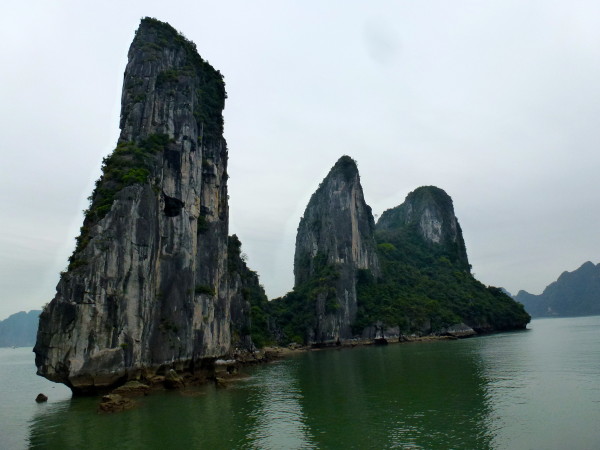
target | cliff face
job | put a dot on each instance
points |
(147, 285)
(248, 300)
(335, 238)
(429, 211)
(426, 286)
(574, 293)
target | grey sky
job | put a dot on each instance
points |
(496, 102)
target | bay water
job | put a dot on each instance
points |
(533, 389)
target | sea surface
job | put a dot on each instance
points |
(534, 389)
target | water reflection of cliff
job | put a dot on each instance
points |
(261, 412)
(161, 420)
(416, 395)
(278, 420)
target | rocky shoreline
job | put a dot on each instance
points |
(221, 372)
(224, 372)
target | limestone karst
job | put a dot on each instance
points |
(426, 285)
(156, 285)
(407, 275)
(148, 283)
(430, 212)
(335, 238)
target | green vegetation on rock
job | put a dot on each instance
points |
(204, 290)
(423, 206)
(130, 163)
(347, 166)
(294, 313)
(422, 290)
(257, 324)
(209, 90)
(421, 283)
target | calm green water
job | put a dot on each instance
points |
(537, 389)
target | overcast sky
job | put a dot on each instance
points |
(497, 102)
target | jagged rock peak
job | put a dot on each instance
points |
(147, 284)
(336, 235)
(163, 65)
(346, 167)
(430, 212)
(337, 222)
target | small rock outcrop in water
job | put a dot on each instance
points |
(41, 398)
(147, 287)
(132, 389)
(111, 403)
(335, 238)
(575, 293)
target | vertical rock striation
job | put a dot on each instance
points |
(335, 238)
(147, 285)
(429, 211)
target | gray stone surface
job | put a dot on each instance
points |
(430, 211)
(153, 289)
(338, 227)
